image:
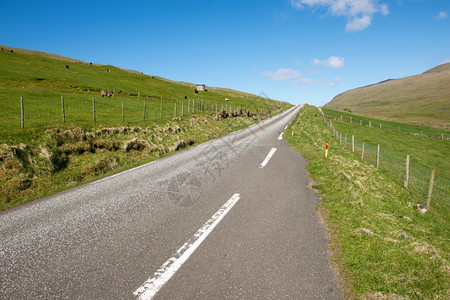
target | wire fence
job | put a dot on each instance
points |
(36, 112)
(416, 130)
(422, 183)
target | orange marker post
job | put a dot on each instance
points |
(326, 149)
(293, 129)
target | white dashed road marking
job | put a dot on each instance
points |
(149, 289)
(268, 157)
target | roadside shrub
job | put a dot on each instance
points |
(136, 144)
(101, 166)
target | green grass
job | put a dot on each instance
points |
(425, 153)
(42, 81)
(62, 158)
(419, 99)
(432, 153)
(49, 154)
(387, 125)
(381, 244)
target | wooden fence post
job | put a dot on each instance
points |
(93, 108)
(22, 118)
(430, 190)
(139, 96)
(175, 110)
(160, 111)
(63, 110)
(182, 108)
(123, 113)
(363, 154)
(353, 143)
(189, 105)
(144, 113)
(407, 172)
(378, 156)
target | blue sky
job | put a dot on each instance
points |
(300, 51)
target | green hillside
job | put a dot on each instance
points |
(422, 99)
(42, 79)
(57, 132)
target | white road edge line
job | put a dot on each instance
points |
(281, 136)
(286, 127)
(149, 288)
(268, 157)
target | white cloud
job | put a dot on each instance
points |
(441, 15)
(357, 24)
(304, 83)
(294, 76)
(303, 80)
(282, 74)
(297, 62)
(281, 16)
(335, 81)
(359, 13)
(384, 9)
(333, 62)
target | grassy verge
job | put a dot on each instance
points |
(381, 244)
(426, 154)
(57, 132)
(57, 158)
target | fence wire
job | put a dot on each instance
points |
(395, 165)
(33, 112)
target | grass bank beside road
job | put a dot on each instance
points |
(380, 244)
(57, 132)
(52, 159)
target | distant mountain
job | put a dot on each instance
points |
(420, 99)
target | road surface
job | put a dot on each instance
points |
(229, 219)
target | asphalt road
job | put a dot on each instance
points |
(229, 219)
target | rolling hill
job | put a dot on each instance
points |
(57, 132)
(39, 75)
(422, 99)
